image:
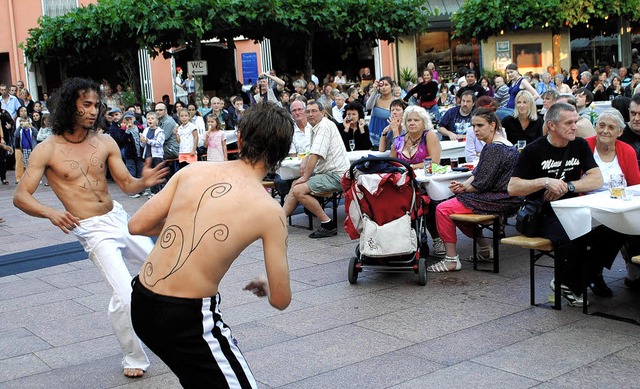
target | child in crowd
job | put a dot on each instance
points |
(187, 136)
(43, 133)
(205, 108)
(215, 140)
(25, 139)
(152, 143)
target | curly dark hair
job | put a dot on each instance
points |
(62, 104)
(264, 134)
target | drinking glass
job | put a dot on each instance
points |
(352, 144)
(617, 186)
(521, 145)
(454, 162)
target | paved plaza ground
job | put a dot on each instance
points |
(468, 329)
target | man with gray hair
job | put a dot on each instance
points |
(338, 110)
(557, 166)
(321, 170)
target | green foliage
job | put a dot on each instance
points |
(99, 29)
(482, 19)
(407, 74)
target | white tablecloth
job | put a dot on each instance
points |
(232, 136)
(452, 148)
(437, 185)
(290, 167)
(580, 214)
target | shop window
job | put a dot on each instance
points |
(446, 54)
(528, 55)
(55, 8)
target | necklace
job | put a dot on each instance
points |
(76, 141)
(414, 144)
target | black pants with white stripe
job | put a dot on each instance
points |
(190, 337)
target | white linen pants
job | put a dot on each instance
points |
(107, 240)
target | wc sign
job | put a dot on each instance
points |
(197, 68)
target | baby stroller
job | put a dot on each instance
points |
(384, 210)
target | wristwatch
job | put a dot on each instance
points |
(571, 187)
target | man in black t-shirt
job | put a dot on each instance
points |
(537, 175)
(472, 85)
(631, 136)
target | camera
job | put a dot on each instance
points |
(380, 84)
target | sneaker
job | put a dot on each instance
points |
(151, 196)
(135, 196)
(323, 233)
(574, 301)
(146, 193)
(438, 247)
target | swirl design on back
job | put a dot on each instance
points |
(174, 234)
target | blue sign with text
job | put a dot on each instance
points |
(249, 68)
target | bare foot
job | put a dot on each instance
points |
(132, 372)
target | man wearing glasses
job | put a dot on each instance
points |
(167, 124)
(321, 170)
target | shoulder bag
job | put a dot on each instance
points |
(529, 216)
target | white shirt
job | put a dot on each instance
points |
(186, 137)
(607, 169)
(326, 142)
(198, 121)
(338, 113)
(301, 142)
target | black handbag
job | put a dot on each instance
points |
(529, 216)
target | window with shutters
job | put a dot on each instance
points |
(55, 8)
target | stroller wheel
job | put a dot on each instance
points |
(422, 271)
(353, 271)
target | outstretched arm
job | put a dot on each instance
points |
(149, 219)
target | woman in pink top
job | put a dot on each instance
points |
(418, 143)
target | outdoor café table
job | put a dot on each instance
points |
(437, 185)
(452, 148)
(290, 167)
(578, 215)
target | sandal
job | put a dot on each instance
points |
(484, 254)
(443, 266)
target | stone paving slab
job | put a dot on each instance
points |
(464, 329)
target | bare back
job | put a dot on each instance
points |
(213, 212)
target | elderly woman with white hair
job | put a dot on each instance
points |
(561, 86)
(613, 157)
(417, 143)
(524, 124)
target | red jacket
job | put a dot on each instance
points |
(626, 158)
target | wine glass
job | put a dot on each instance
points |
(352, 144)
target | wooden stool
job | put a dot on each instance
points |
(271, 185)
(481, 222)
(538, 247)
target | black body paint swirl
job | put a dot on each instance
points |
(174, 234)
